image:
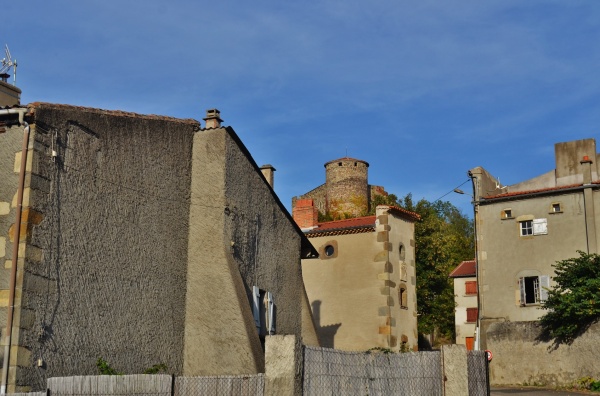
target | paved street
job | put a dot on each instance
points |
(531, 391)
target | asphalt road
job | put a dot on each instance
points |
(533, 391)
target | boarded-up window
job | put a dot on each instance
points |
(470, 287)
(471, 315)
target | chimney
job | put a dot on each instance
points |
(305, 214)
(586, 162)
(269, 173)
(213, 119)
(10, 95)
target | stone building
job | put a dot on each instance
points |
(465, 298)
(140, 239)
(521, 231)
(346, 192)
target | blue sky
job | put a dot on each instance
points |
(422, 90)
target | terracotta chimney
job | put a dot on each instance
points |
(213, 119)
(268, 172)
(305, 213)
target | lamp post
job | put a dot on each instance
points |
(475, 211)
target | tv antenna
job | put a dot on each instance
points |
(7, 63)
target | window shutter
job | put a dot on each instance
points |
(471, 315)
(470, 287)
(271, 313)
(256, 306)
(540, 227)
(544, 286)
(522, 290)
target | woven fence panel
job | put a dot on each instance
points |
(477, 366)
(141, 385)
(223, 385)
(28, 394)
(333, 372)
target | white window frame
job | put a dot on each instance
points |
(540, 286)
(526, 227)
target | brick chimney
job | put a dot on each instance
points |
(213, 119)
(268, 172)
(305, 213)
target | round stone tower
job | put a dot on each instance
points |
(346, 180)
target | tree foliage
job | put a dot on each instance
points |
(444, 238)
(574, 303)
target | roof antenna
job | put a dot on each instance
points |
(7, 63)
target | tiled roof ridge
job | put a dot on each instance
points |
(539, 190)
(414, 215)
(120, 113)
(464, 269)
(349, 220)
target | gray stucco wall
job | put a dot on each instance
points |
(240, 236)
(111, 283)
(267, 240)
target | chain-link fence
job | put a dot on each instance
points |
(223, 385)
(477, 367)
(333, 372)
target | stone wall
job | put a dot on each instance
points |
(519, 358)
(347, 192)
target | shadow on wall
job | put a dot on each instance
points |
(326, 333)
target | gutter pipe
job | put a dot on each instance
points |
(15, 246)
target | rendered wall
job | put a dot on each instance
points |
(354, 294)
(463, 301)
(105, 268)
(519, 358)
(504, 255)
(239, 237)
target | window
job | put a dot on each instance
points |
(263, 310)
(471, 315)
(533, 289)
(526, 227)
(401, 251)
(329, 250)
(555, 208)
(403, 297)
(506, 214)
(470, 287)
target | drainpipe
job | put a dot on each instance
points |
(15, 247)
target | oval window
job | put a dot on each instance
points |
(329, 250)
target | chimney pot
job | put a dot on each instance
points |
(213, 118)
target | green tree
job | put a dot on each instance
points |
(574, 303)
(443, 238)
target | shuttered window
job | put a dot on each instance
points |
(471, 315)
(470, 287)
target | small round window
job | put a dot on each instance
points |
(329, 250)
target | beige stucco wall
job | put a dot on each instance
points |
(354, 293)
(504, 255)
(463, 301)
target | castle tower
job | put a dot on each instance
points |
(346, 180)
